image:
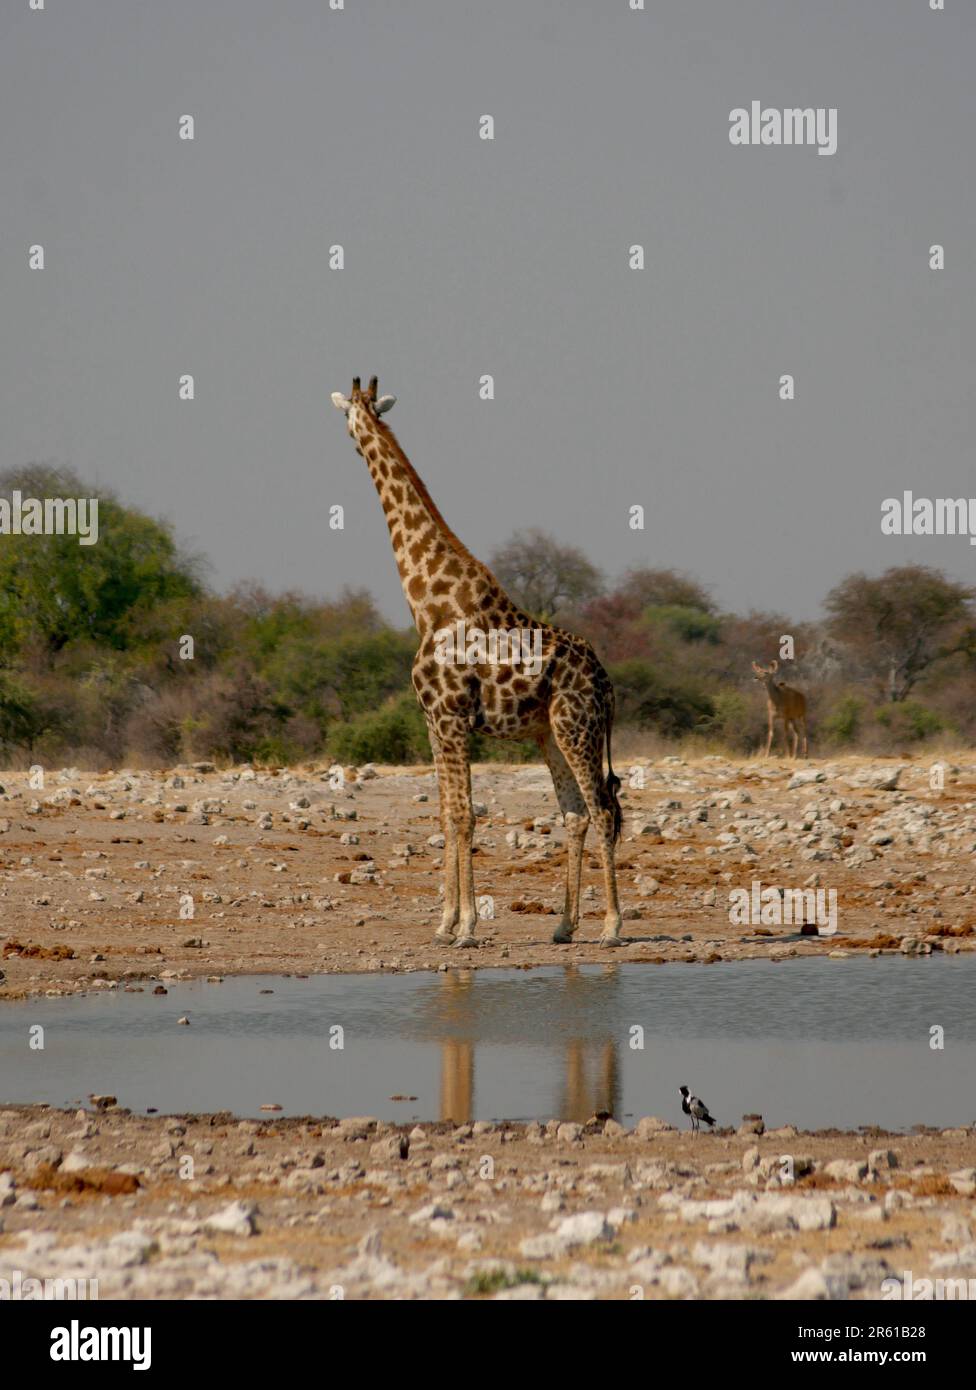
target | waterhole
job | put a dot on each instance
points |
(815, 1043)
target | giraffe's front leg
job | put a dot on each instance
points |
(458, 815)
(451, 909)
(468, 911)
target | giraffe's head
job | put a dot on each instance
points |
(360, 403)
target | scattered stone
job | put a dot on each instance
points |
(651, 1125)
(584, 1228)
(355, 1127)
(846, 1170)
(569, 1133)
(392, 1148)
(236, 1219)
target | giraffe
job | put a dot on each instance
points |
(566, 706)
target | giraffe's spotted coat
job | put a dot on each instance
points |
(566, 707)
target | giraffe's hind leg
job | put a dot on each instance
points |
(582, 747)
(577, 821)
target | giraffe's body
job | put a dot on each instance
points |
(564, 701)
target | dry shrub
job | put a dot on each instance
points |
(930, 1185)
(879, 942)
(13, 947)
(89, 1182)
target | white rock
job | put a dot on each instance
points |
(433, 1211)
(544, 1247)
(678, 1282)
(569, 1133)
(804, 779)
(812, 1284)
(584, 1228)
(75, 1162)
(729, 1261)
(846, 1170)
(651, 1125)
(236, 1219)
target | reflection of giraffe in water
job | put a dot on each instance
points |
(581, 1096)
(457, 1054)
(457, 1081)
(599, 1095)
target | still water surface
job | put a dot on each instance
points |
(816, 1043)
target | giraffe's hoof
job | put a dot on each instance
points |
(611, 940)
(562, 936)
(469, 940)
(444, 935)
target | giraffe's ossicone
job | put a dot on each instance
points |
(483, 664)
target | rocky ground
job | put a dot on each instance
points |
(122, 879)
(130, 876)
(207, 1206)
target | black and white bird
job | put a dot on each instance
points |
(696, 1108)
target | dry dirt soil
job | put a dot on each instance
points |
(125, 880)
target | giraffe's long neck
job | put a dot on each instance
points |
(441, 579)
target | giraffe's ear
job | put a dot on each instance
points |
(340, 401)
(384, 404)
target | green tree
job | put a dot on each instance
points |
(687, 624)
(394, 733)
(671, 704)
(24, 716)
(900, 624)
(55, 591)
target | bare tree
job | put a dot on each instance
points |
(544, 577)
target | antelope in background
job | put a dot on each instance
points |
(783, 702)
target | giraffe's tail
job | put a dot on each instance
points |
(613, 784)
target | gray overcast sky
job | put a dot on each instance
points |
(509, 257)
